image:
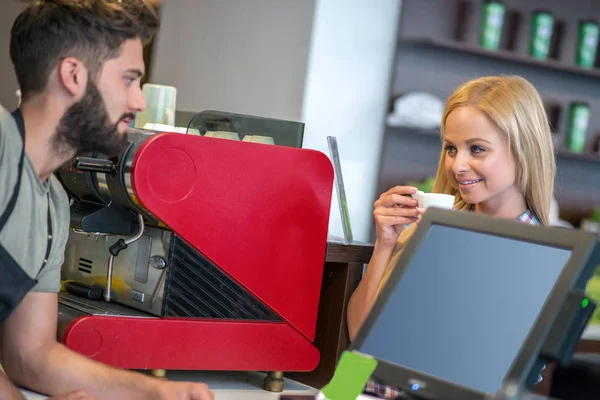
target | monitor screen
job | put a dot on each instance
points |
(465, 305)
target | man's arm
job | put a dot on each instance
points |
(8, 391)
(33, 358)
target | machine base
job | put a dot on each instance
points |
(133, 342)
(273, 382)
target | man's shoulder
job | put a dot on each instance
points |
(8, 128)
(6, 118)
(3, 110)
(11, 147)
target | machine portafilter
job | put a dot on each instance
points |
(106, 166)
(102, 184)
(101, 190)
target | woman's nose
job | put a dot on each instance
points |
(461, 164)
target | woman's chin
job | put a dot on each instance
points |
(469, 198)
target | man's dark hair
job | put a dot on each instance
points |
(93, 31)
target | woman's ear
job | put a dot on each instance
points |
(73, 76)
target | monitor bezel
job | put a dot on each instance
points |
(574, 275)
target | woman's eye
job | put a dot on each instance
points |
(477, 149)
(450, 149)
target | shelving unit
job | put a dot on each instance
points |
(586, 157)
(560, 152)
(438, 49)
(503, 55)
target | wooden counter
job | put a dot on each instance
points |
(341, 274)
(226, 385)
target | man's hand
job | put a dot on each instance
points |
(183, 391)
(33, 359)
(76, 395)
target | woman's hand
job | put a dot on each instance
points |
(392, 211)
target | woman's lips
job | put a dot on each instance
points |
(466, 184)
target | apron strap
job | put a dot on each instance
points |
(15, 283)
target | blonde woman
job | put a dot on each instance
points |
(497, 158)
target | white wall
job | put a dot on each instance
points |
(244, 56)
(8, 81)
(325, 62)
(347, 89)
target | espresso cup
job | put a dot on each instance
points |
(439, 200)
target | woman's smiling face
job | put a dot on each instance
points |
(479, 161)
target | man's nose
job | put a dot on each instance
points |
(137, 101)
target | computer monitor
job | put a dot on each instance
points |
(470, 303)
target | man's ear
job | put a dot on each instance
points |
(73, 76)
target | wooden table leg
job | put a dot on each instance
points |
(544, 387)
(339, 282)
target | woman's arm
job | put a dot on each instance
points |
(392, 212)
(364, 296)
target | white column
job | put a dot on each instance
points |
(351, 58)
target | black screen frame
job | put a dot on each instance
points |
(575, 275)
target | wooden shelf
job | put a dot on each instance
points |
(414, 131)
(562, 153)
(504, 55)
(569, 155)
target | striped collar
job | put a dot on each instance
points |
(528, 218)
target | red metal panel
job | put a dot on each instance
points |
(259, 212)
(185, 344)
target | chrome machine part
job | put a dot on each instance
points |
(115, 249)
(119, 184)
(158, 262)
(135, 282)
(102, 185)
(102, 192)
(71, 307)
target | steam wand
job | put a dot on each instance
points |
(115, 249)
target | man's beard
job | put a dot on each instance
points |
(86, 127)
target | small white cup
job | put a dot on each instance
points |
(439, 200)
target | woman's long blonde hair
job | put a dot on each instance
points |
(515, 107)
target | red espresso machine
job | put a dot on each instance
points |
(190, 252)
